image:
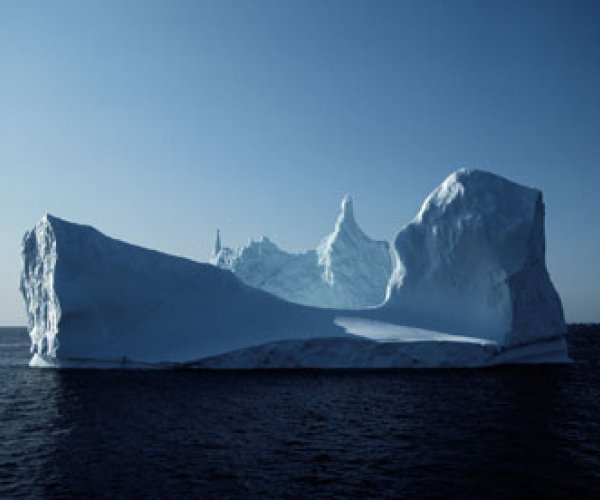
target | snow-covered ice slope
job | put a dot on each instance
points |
(92, 298)
(348, 270)
(469, 288)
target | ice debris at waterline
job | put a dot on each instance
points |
(348, 270)
(469, 287)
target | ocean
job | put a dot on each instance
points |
(510, 432)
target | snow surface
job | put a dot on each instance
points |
(389, 332)
(469, 288)
(348, 270)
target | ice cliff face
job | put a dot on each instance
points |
(348, 270)
(469, 287)
(37, 286)
(473, 262)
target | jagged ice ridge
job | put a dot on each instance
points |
(348, 270)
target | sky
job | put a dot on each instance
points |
(160, 121)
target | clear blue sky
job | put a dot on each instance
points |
(159, 121)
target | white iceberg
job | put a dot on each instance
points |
(348, 270)
(469, 287)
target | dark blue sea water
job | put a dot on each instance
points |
(498, 433)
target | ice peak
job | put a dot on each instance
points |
(217, 248)
(346, 215)
(481, 180)
(477, 189)
(346, 206)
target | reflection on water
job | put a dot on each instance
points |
(493, 433)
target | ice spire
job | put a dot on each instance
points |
(347, 208)
(346, 215)
(217, 248)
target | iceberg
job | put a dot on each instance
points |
(348, 270)
(468, 287)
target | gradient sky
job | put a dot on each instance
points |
(159, 121)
